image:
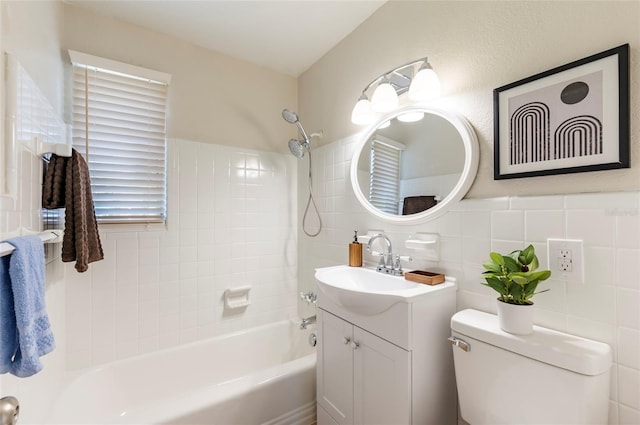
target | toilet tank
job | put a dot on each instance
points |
(547, 377)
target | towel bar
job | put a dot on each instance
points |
(47, 236)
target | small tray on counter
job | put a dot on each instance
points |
(423, 276)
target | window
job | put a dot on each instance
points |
(119, 123)
(384, 186)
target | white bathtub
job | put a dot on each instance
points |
(265, 375)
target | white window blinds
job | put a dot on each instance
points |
(384, 185)
(119, 122)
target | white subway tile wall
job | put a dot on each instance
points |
(232, 222)
(606, 307)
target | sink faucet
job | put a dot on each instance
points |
(389, 263)
(385, 259)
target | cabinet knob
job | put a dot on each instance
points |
(346, 340)
(355, 345)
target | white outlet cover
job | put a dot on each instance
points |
(554, 256)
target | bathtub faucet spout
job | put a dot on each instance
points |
(307, 321)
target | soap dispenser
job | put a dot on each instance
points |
(355, 251)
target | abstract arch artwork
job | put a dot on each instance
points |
(529, 139)
(573, 118)
(578, 136)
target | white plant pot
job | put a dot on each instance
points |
(515, 319)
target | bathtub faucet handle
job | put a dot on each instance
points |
(309, 297)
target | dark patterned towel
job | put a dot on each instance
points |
(67, 184)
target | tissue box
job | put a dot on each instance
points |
(423, 276)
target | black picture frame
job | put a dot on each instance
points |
(570, 119)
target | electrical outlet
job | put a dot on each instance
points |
(565, 264)
(565, 259)
(565, 253)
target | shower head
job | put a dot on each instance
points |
(292, 118)
(298, 147)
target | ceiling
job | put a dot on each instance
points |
(286, 36)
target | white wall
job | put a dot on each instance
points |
(231, 210)
(231, 223)
(213, 98)
(476, 47)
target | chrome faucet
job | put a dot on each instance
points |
(307, 321)
(385, 259)
(389, 263)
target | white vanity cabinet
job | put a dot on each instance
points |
(391, 368)
(362, 379)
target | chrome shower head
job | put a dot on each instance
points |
(290, 116)
(298, 147)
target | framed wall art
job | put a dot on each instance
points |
(569, 119)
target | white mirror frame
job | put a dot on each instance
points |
(471, 150)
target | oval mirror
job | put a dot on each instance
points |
(414, 164)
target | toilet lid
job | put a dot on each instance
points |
(559, 349)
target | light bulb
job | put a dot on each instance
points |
(385, 98)
(362, 113)
(425, 85)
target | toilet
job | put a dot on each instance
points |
(547, 377)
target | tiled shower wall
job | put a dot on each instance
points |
(231, 222)
(606, 307)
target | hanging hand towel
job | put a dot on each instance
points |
(35, 339)
(68, 179)
(8, 332)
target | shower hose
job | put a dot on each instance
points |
(311, 201)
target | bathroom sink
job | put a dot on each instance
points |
(365, 291)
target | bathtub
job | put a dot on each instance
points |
(264, 375)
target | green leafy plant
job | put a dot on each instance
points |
(515, 276)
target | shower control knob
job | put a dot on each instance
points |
(9, 410)
(309, 297)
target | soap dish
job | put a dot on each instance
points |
(423, 276)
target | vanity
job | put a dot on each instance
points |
(382, 351)
(383, 356)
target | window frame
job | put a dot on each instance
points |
(130, 73)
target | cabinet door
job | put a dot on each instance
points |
(335, 367)
(382, 381)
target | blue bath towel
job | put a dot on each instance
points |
(8, 331)
(35, 339)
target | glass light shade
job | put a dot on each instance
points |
(425, 85)
(385, 98)
(411, 116)
(385, 124)
(362, 113)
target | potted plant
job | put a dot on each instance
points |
(515, 277)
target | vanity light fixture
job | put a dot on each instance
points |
(425, 85)
(416, 77)
(385, 98)
(362, 113)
